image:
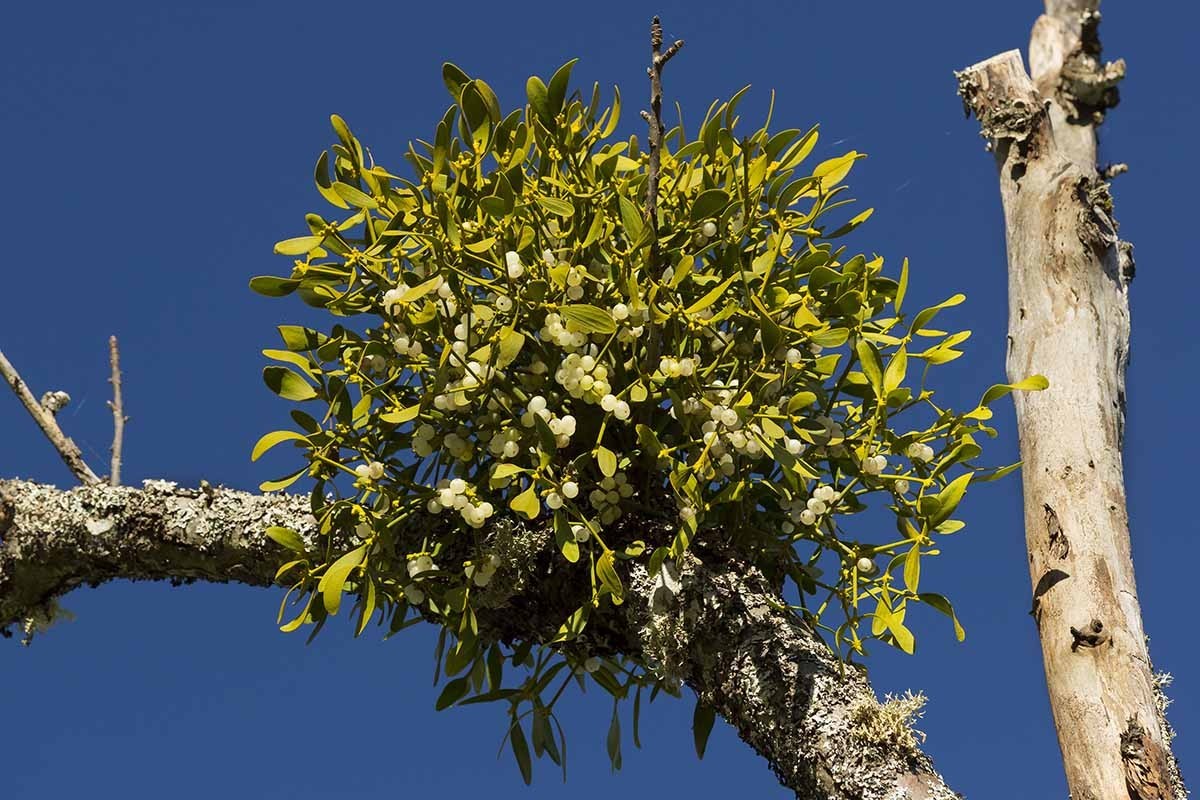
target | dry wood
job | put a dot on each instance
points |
(118, 410)
(66, 448)
(1069, 276)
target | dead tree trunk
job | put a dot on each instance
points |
(1069, 276)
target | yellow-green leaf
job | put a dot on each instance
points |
(286, 537)
(402, 415)
(712, 296)
(334, 579)
(299, 245)
(607, 460)
(556, 206)
(588, 319)
(1034, 383)
(896, 370)
(511, 342)
(943, 605)
(870, 363)
(912, 568)
(287, 384)
(526, 503)
(607, 574)
(949, 498)
(269, 440)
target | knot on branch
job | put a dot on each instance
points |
(999, 93)
(1092, 635)
(1147, 775)
(55, 401)
(1087, 84)
(1097, 227)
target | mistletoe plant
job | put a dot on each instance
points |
(559, 328)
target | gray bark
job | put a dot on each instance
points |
(726, 633)
(1069, 277)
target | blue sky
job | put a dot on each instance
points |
(156, 151)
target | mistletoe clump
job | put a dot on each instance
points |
(521, 338)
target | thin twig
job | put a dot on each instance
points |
(658, 60)
(114, 361)
(66, 448)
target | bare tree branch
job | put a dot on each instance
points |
(726, 632)
(66, 448)
(1069, 276)
(118, 410)
(658, 60)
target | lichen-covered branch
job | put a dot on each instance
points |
(730, 638)
(724, 631)
(52, 541)
(1069, 276)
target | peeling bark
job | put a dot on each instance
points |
(1069, 277)
(726, 633)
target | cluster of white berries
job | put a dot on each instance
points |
(422, 440)
(459, 393)
(874, 465)
(454, 494)
(458, 444)
(481, 573)
(619, 408)
(744, 442)
(391, 299)
(677, 367)
(568, 491)
(583, 377)
(575, 283)
(369, 472)
(404, 345)
(562, 427)
(833, 430)
(505, 443)
(447, 305)
(807, 511)
(418, 565)
(919, 451)
(724, 415)
(512, 265)
(634, 320)
(502, 303)
(553, 330)
(607, 498)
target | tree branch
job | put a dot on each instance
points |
(118, 410)
(66, 448)
(727, 633)
(658, 60)
(1069, 277)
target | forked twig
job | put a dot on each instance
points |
(66, 448)
(658, 60)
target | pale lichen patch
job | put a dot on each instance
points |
(889, 724)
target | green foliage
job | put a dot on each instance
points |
(533, 345)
